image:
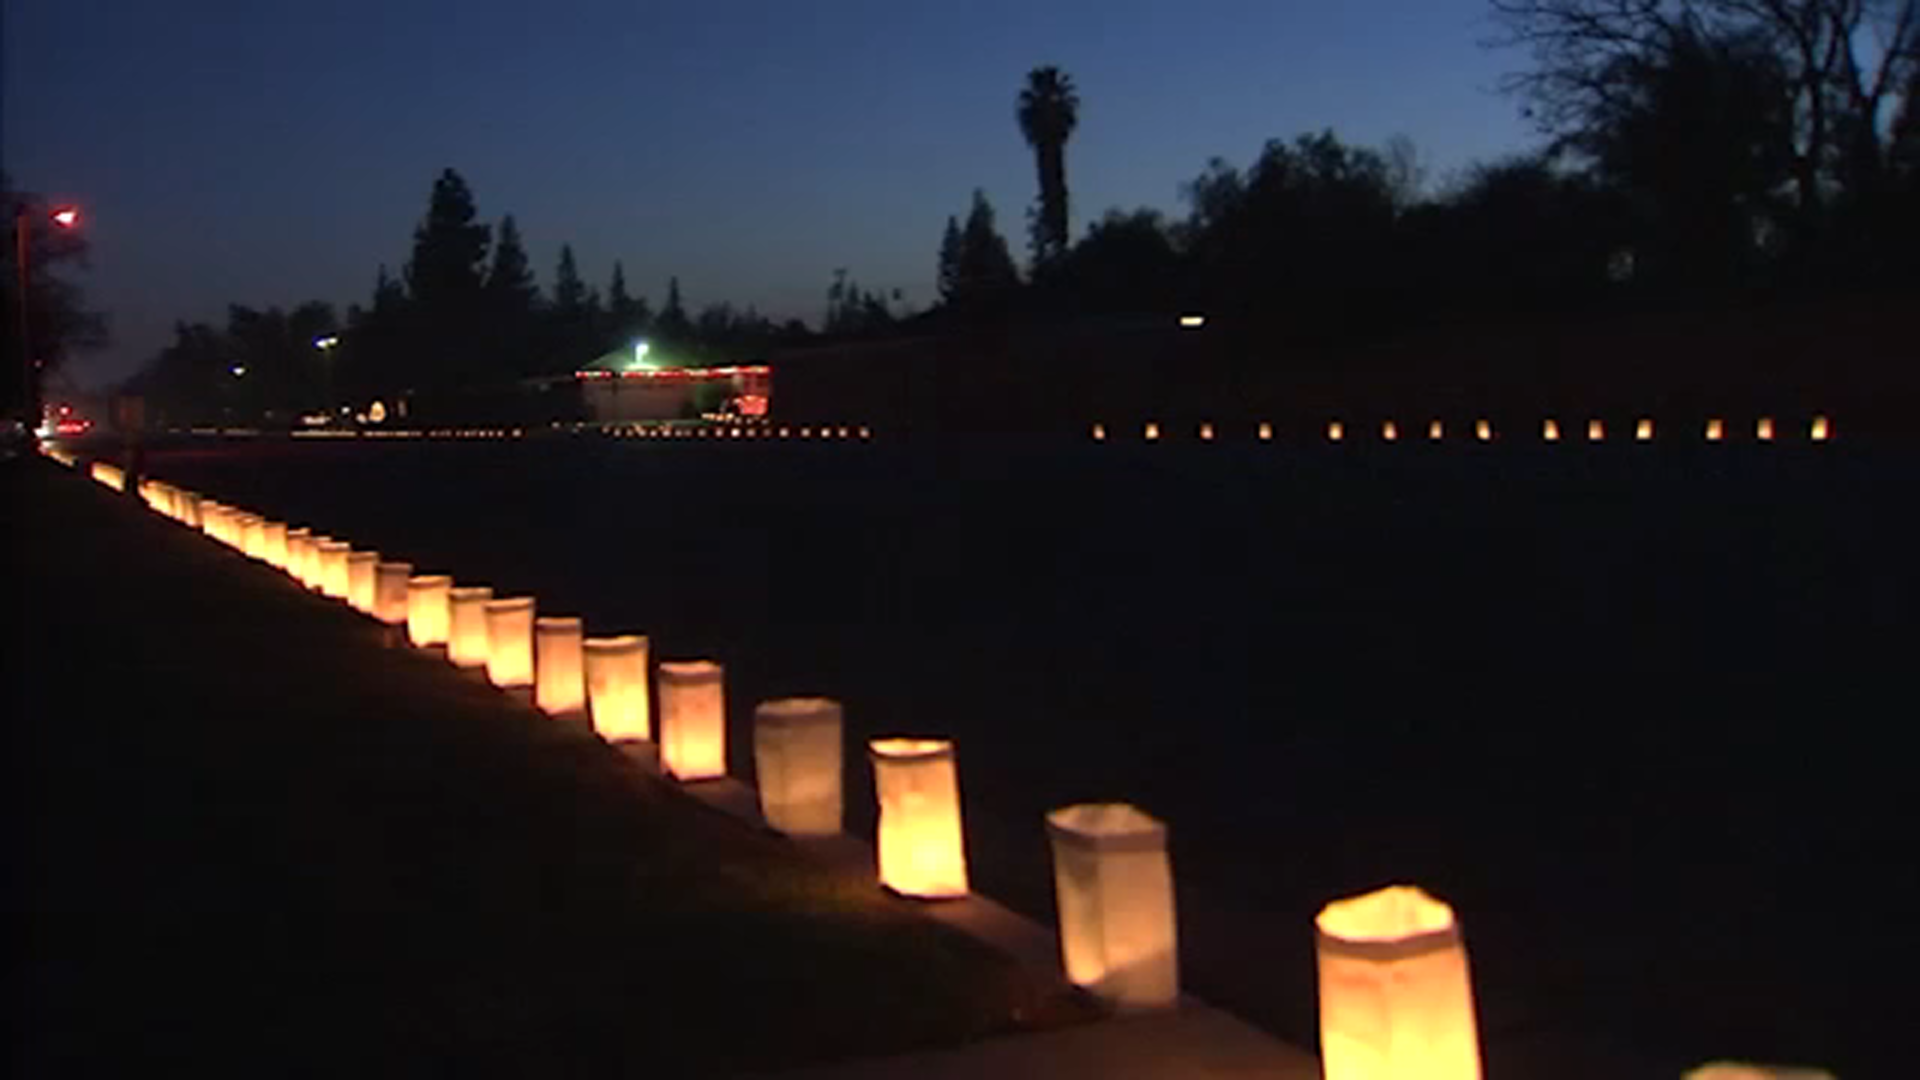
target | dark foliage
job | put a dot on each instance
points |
(263, 367)
(1048, 111)
(468, 317)
(58, 321)
(1702, 152)
(977, 274)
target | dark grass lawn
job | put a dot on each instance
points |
(247, 835)
(1637, 710)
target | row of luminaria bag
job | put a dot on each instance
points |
(617, 691)
(510, 642)
(693, 720)
(467, 625)
(1395, 992)
(390, 586)
(362, 580)
(427, 611)
(331, 568)
(560, 686)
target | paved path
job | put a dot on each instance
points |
(1196, 1042)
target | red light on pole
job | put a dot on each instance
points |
(66, 217)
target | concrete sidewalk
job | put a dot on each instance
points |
(1194, 1042)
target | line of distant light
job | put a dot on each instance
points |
(1820, 429)
(678, 373)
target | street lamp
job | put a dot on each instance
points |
(66, 217)
(326, 344)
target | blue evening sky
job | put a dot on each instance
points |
(267, 152)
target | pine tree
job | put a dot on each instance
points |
(984, 273)
(444, 333)
(618, 303)
(569, 292)
(449, 251)
(628, 317)
(571, 330)
(594, 315)
(388, 296)
(512, 301)
(950, 260)
(375, 361)
(672, 325)
(510, 280)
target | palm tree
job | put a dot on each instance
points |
(1049, 110)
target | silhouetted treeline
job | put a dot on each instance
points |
(464, 322)
(1701, 155)
(1699, 152)
(261, 367)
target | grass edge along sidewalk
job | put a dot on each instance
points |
(252, 833)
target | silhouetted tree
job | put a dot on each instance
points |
(445, 285)
(949, 274)
(388, 296)
(573, 318)
(596, 320)
(59, 322)
(617, 299)
(852, 311)
(983, 275)
(449, 251)
(1048, 111)
(1212, 199)
(1516, 235)
(1904, 148)
(314, 375)
(1698, 141)
(190, 382)
(627, 316)
(265, 367)
(1834, 84)
(1125, 264)
(1309, 230)
(373, 351)
(1406, 176)
(672, 324)
(275, 372)
(510, 280)
(569, 292)
(513, 300)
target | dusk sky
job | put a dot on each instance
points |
(267, 152)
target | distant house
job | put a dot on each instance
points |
(637, 383)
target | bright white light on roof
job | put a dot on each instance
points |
(1193, 322)
(639, 362)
